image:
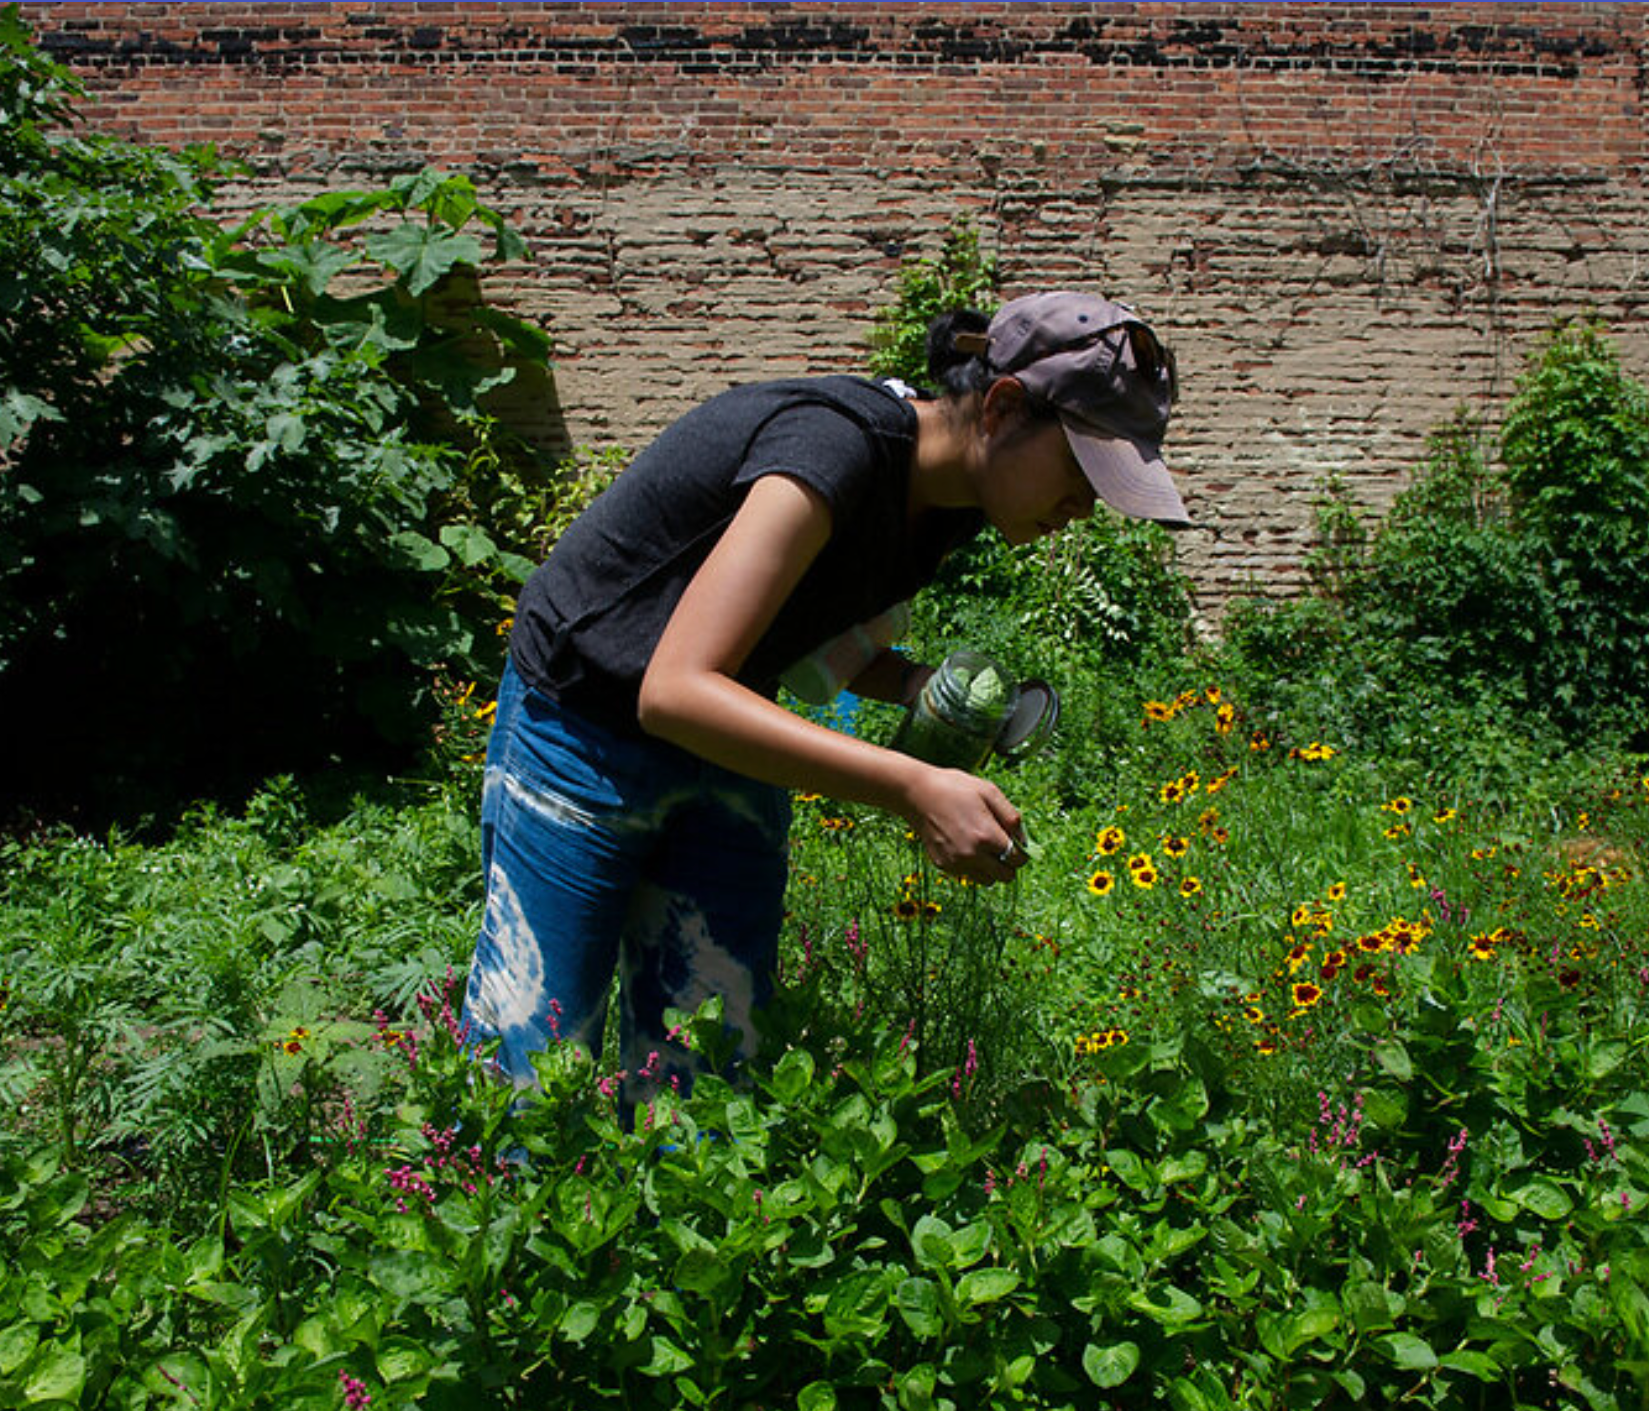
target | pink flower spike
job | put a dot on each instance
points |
(356, 1396)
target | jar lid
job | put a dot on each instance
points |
(1031, 721)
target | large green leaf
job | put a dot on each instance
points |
(57, 1373)
(917, 1300)
(1111, 1365)
(985, 1286)
(1409, 1352)
(421, 254)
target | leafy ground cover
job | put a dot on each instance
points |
(1279, 1076)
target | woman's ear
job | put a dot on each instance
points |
(1004, 401)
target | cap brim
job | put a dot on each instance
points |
(1127, 477)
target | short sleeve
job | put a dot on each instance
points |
(819, 446)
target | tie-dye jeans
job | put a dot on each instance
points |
(601, 850)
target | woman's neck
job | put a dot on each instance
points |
(940, 467)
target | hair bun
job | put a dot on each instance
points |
(943, 355)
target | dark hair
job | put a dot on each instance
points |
(951, 372)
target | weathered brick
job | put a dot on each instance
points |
(1299, 194)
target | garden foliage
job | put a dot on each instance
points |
(250, 496)
(1505, 592)
(1245, 1176)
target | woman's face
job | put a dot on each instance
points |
(1030, 482)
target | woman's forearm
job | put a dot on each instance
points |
(966, 824)
(720, 720)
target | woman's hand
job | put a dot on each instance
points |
(967, 825)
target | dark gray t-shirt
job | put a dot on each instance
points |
(590, 616)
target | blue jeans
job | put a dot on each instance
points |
(604, 851)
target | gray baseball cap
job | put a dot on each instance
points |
(1112, 382)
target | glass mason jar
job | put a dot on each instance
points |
(959, 713)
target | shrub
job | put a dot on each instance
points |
(238, 520)
(960, 276)
(1495, 595)
(1576, 453)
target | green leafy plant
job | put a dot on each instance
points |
(1493, 592)
(1576, 452)
(266, 444)
(960, 275)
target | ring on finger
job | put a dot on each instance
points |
(1006, 855)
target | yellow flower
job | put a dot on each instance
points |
(1305, 994)
(1100, 883)
(1406, 935)
(1219, 781)
(906, 909)
(1211, 694)
(1314, 751)
(1158, 710)
(1398, 830)
(1143, 871)
(1189, 887)
(1482, 948)
(1175, 846)
(1445, 815)
(1259, 742)
(1173, 791)
(1224, 718)
(1110, 840)
(836, 825)
(1337, 892)
(1401, 804)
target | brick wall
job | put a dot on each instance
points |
(1349, 218)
